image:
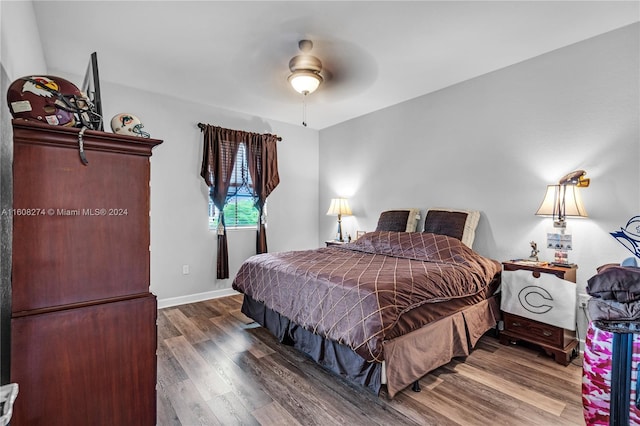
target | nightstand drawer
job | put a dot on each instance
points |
(534, 331)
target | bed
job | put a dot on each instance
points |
(383, 310)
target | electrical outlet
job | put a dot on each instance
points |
(185, 269)
(583, 299)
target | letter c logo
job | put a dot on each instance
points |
(533, 298)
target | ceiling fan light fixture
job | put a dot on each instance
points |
(305, 81)
(305, 70)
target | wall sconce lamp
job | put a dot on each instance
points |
(561, 201)
(339, 207)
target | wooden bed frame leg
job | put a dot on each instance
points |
(416, 386)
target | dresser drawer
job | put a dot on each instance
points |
(534, 331)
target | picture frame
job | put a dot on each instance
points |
(91, 88)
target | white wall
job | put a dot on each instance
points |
(20, 47)
(17, 36)
(493, 143)
(179, 228)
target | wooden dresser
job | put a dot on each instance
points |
(83, 323)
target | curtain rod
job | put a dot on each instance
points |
(202, 126)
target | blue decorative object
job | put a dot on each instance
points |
(629, 236)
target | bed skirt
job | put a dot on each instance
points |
(407, 358)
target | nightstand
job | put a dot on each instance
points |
(335, 243)
(556, 341)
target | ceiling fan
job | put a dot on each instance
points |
(305, 69)
(345, 70)
(305, 75)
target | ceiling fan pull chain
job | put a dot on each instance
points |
(304, 111)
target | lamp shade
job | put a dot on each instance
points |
(339, 207)
(562, 201)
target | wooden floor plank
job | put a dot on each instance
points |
(199, 310)
(227, 304)
(230, 411)
(189, 406)
(233, 328)
(166, 414)
(250, 395)
(456, 413)
(533, 378)
(337, 402)
(490, 405)
(184, 325)
(274, 415)
(515, 389)
(166, 329)
(216, 366)
(238, 315)
(205, 379)
(169, 369)
(283, 387)
(543, 363)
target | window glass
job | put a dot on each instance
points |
(239, 211)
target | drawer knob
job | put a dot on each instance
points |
(547, 333)
(516, 324)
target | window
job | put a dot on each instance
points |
(240, 210)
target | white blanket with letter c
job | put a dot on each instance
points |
(547, 299)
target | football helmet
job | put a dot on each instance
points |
(52, 100)
(128, 124)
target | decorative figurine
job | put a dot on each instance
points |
(128, 124)
(534, 251)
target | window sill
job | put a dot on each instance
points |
(244, 228)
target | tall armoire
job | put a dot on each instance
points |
(83, 323)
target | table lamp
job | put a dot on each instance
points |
(339, 207)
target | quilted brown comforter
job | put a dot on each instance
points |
(355, 293)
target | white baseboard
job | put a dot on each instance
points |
(198, 297)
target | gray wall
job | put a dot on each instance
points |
(17, 21)
(179, 227)
(6, 228)
(493, 143)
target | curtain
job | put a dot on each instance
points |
(262, 159)
(218, 159)
(219, 154)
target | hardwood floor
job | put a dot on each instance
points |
(217, 367)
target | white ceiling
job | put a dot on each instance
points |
(235, 55)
